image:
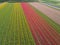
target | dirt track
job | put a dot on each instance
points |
(50, 12)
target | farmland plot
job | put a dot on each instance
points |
(23, 24)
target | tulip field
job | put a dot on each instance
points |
(24, 24)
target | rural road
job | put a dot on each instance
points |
(50, 12)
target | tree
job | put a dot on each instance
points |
(19, 0)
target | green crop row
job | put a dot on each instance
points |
(4, 23)
(14, 28)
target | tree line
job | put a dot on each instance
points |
(19, 0)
